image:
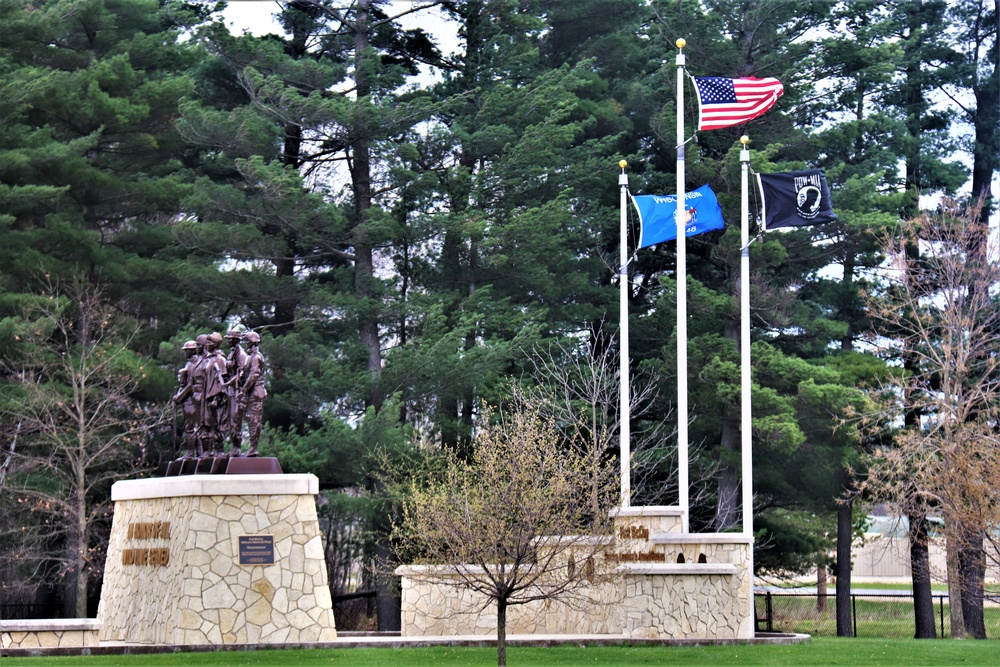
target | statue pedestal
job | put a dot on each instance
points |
(221, 465)
(216, 559)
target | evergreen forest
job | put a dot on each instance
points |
(419, 227)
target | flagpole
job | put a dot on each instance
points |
(623, 351)
(745, 384)
(746, 440)
(682, 360)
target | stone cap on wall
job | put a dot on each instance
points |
(649, 510)
(51, 625)
(678, 569)
(434, 572)
(701, 538)
(573, 540)
(215, 485)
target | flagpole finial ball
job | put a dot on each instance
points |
(681, 43)
(622, 163)
(744, 140)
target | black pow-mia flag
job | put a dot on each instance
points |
(795, 199)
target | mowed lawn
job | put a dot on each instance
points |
(819, 651)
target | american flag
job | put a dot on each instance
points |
(727, 102)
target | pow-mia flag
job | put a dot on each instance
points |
(795, 199)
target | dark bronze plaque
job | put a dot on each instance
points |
(256, 549)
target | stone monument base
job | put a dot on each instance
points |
(216, 559)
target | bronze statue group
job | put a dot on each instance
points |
(219, 392)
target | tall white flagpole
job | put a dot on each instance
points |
(623, 352)
(682, 357)
(746, 441)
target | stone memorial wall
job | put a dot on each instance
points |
(668, 585)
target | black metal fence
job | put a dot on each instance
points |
(22, 612)
(356, 612)
(872, 614)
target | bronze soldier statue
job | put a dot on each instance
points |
(198, 393)
(185, 397)
(252, 388)
(236, 362)
(214, 405)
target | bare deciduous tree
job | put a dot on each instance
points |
(72, 426)
(941, 308)
(581, 386)
(512, 523)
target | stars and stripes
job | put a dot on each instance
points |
(726, 102)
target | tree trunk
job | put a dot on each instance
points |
(729, 484)
(821, 588)
(502, 633)
(971, 573)
(286, 307)
(82, 587)
(986, 120)
(78, 539)
(845, 527)
(986, 160)
(923, 602)
(728, 489)
(364, 266)
(74, 585)
(956, 617)
(388, 597)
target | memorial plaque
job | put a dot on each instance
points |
(256, 549)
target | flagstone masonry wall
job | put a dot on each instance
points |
(652, 597)
(173, 573)
(438, 605)
(49, 633)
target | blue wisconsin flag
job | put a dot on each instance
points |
(656, 215)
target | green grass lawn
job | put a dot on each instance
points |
(902, 588)
(819, 651)
(831, 586)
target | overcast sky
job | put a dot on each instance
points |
(257, 17)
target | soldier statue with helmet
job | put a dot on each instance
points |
(185, 396)
(215, 403)
(253, 391)
(219, 392)
(236, 362)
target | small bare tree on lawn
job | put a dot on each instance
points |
(517, 523)
(70, 426)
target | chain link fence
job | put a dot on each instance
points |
(888, 615)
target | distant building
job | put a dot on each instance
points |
(885, 553)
